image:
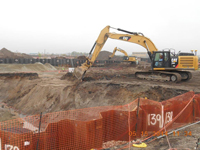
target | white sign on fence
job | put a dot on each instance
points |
(161, 119)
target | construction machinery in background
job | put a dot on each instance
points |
(165, 65)
(126, 58)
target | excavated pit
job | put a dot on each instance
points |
(28, 94)
(52, 92)
(42, 95)
(88, 94)
(58, 91)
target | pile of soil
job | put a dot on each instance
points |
(4, 53)
(23, 55)
(68, 76)
(81, 57)
(26, 67)
(49, 66)
(104, 55)
(29, 76)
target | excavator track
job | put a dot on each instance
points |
(185, 75)
(159, 76)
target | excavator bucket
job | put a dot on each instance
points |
(79, 72)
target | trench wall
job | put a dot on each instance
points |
(99, 127)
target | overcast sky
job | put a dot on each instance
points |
(63, 26)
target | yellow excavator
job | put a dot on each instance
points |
(126, 58)
(165, 65)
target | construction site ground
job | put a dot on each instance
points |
(55, 90)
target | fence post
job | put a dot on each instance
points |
(129, 128)
(193, 110)
(0, 143)
(137, 115)
(39, 131)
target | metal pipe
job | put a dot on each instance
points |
(195, 52)
(92, 48)
(140, 33)
(113, 28)
(134, 33)
(150, 55)
(146, 45)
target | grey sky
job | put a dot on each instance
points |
(63, 26)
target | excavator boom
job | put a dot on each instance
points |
(118, 49)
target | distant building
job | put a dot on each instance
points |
(140, 54)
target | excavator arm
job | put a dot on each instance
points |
(137, 39)
(132, 37)
(117, 49)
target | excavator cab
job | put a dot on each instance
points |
(161, 59)
(164, 60)
(125, 58)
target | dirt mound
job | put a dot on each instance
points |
(121, 64)
(23, 55)
(26, 67)
(48, 65)
(4, 53)
(104, 55)
(68, 76)
(29, 76)
(81, 57)
(88, 79)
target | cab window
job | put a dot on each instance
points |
(159, 57)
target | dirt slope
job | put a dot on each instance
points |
(4, 53)
(104, 55)
(26, 67)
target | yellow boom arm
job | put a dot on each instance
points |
(118, 49)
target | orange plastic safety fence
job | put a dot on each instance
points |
(99, 127)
